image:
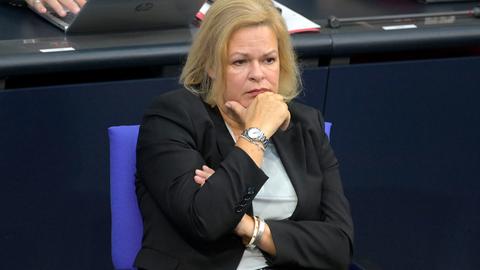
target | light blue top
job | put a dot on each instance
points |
(276, 200)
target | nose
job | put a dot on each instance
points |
(256, 72)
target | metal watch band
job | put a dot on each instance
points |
(261, 138)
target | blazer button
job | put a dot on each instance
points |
(251, 191)
(238, 209)
(243, 203)
(247, 197)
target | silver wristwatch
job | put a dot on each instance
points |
(254, 134)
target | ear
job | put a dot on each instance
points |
(211, 73)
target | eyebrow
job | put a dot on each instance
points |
(274, 51)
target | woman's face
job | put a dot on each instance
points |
(253, 65)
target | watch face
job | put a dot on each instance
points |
(254, 133)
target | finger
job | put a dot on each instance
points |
(70, 5)
(201, 173)
(236, 110)
(57, 7)
(81, 3)
(199, 180)
(207, 169)
(235, 107)
(279, 97)
(37, 5)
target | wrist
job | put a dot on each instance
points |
(245, 228)
(258, 230)
(256, 136)
(264, 128)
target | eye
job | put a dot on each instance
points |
(270, 60)
(239, 62)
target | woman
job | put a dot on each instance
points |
(232, 174)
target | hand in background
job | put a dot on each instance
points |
(59, 6)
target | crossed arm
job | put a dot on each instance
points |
(246, 225)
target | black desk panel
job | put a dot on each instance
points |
(23, 34)
(407, 137)
(319, 10)
(314, 87)
(431, 33)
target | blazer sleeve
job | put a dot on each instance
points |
(168, 152)
(325, 243)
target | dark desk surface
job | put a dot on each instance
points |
(23, 34)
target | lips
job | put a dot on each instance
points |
(256, 92)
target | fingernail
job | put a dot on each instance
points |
(228, 105)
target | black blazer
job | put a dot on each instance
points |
(190, 227)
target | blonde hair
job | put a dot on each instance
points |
(209, 50)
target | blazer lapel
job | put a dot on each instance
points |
(225, 141)
(290, 148)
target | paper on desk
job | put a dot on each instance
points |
(296, 23)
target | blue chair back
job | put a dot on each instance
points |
(127, 226)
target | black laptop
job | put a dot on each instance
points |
(127, 15)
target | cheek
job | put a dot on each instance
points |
(274, 77)
(235, 82)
